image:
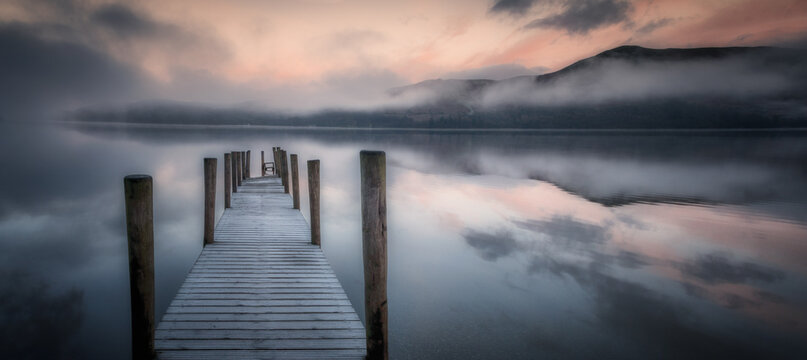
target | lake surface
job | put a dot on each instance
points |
(501, 244)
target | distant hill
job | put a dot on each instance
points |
(627, 87)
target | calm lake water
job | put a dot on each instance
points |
(501, 244)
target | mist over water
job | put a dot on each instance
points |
(501, 244)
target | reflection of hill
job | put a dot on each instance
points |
(613, 168)
(618, 200)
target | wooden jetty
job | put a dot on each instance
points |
(261, 287)
(261, 290)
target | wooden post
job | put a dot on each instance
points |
(295, 182)
(284, 159)
(263, 165)
(234, 170)
(210, 199)
(313, 200)
(140, 235)
(238, 167)
(275, 170)
(249, 163)
(243, 165)
(374, 245)
(280, 166)
(227, 180)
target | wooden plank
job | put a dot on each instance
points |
(260, 325)
(266, 344)
(227, 290)
(260, 290)
(263, 297)
(259, 309)
(261, 317)
(253, 334)
(262, 355)
(283, 302)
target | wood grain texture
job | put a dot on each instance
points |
(295, 182)
(261, 290)
(313, 199)
(234, 171)
(138, 191)
(374, 247)
(210, 199)
(227, 180)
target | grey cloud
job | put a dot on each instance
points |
(654, 25)
(720, 268)
(578, 17)
(124, 21)
(491, 246)
(512, 7)
(42, 77)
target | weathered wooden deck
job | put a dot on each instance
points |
(261, 291)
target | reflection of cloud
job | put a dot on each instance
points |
(641, 314)
(631, 260)
(34, 322)
(568, 232)
(719, 268)
(584, 252)
(490, 246)
(647, 317)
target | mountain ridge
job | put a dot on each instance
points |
(628, 87)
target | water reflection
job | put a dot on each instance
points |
(558, 245)
(646, 279)
(33, 315)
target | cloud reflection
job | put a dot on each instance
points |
(720, 268)
(491, 246)
(36, 322)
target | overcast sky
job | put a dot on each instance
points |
(336, 52)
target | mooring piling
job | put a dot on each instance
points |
(313, 200)
(140, 238)
(295, 182)
(374, 246)
(210, 199)
(227, 181)
(243, 165)
(238, 169)
(234, 172)
(249, 163)
(285, 160)
(275, 170)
